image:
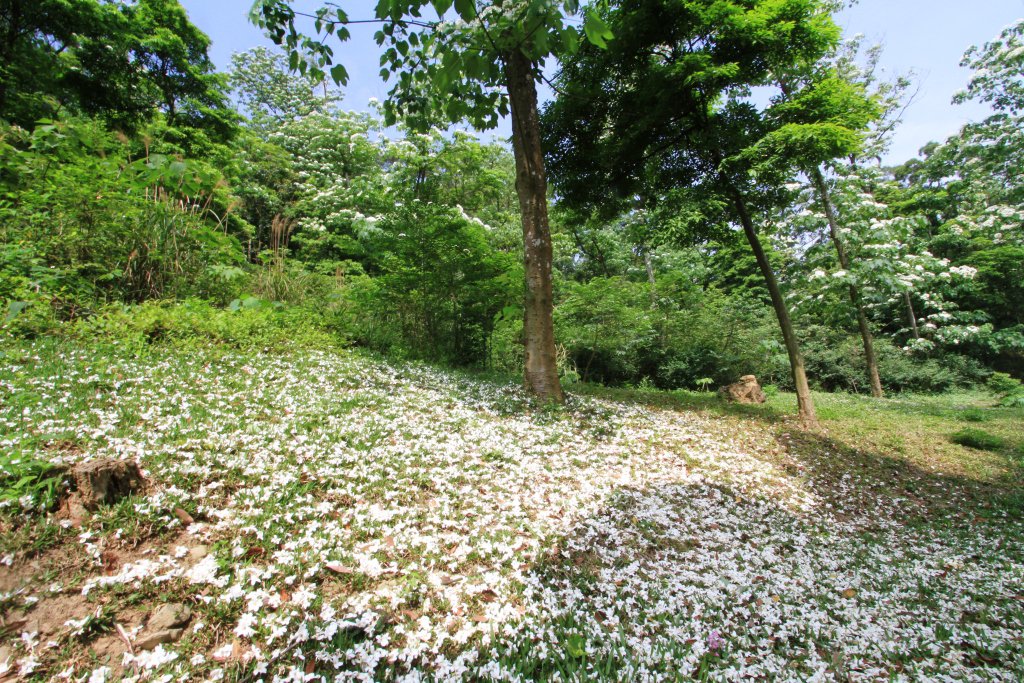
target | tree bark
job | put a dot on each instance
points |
(844, 261)
(805, 403)
(911, 316)
(540, 372)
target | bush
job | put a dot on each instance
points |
(247, 324)
(978, 438)
(83, 221)
(835, 362)
(1009, 390)
(973, 415)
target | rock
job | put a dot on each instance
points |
(169, 616)
(747, 390)
(105, 481)
(165, 625)
(151, 640)
(198, 553)
(183, 516)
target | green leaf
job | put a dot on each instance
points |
(15, 308)
(441, 6)
(597, 31)
(339, 74)
(466, 9)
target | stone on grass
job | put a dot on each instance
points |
(165, 625)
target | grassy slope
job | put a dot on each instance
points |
(355, 516)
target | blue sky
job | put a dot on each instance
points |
(927, 37)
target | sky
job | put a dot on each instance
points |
(925, 37)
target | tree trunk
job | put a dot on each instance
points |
(649, 267)
(805, 403)
(844, 262)
(911, 316)
(541, 371)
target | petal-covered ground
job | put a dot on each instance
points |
(330, 517)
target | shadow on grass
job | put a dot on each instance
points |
(693, 581)
(854, 478)
(685, 400)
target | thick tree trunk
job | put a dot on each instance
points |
(805, 403)
(541, 370)
(844, 261)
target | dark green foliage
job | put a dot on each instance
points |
(979, 439)
(121, 61)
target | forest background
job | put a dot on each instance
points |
(144, 193)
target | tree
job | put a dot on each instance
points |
(269, 95)
(123, 61)
(484, 63)
(666, 108)
(971, 189)
(824, 113)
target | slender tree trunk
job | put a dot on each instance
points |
(911, 316)
(541, 370)
(844, 261)
(649, 266)
(805, 403)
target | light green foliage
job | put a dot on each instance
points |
(998, 71)
(269, 95)
(84, 220)
(249, 324)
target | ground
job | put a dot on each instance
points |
(326, 515)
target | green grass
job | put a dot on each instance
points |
(978, 439)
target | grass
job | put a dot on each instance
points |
(978, 439)
(409, 520)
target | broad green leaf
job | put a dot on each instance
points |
(15, 308)
(597, 31)
(339, 74)
(466, 9)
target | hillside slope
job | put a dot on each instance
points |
(326, 515)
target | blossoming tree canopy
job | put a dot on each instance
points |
(476, 67)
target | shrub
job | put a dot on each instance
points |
(247, 324)
(1009, 390)
(973, 415)
(978, 438)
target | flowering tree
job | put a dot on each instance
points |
(665, 112)
(882, 260)
(971, 190)
(482, 64)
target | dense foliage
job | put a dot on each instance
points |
(128, 175)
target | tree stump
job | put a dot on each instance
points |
(747, 390)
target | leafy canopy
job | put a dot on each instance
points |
(451, 68)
